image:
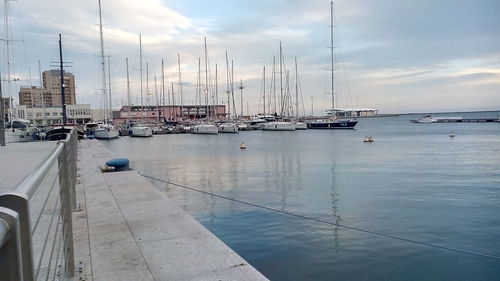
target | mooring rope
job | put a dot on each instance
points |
(327, 222)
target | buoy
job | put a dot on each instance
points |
(243, 145)
(368, 139)
(452, 135)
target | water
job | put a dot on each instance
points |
(414, 181)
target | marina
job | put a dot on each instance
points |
(249, 141)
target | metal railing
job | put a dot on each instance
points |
(36, 229)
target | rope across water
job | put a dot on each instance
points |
(327, 222)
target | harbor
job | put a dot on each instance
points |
(256, 140)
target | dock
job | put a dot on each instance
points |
(123, 228)
(466, 120)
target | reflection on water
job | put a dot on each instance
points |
(413, 181)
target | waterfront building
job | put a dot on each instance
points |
(353, 112)
(168, 113)
(77, 113)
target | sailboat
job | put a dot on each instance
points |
(104, 131)
(333, 122)
(205, 128)
(228, 126)
(279, 125)
(136, 130)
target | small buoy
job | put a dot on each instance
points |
(452, 135)
(243, 145)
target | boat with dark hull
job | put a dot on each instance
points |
(332, 124)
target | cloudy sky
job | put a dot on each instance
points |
(393, 55)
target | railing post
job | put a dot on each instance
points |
(64, 162)
(19, 203)
(73, 146)
(11, 267)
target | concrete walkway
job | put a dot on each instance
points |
(128, 230)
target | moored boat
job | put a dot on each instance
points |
(106, 132)
(228, 128)
(278, 126)
(204, 129)
(425, 119)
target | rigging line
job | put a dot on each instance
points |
(328, 222)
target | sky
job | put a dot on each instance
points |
(397, 56)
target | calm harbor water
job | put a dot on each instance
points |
(414, 181)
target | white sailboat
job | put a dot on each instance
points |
(280, 125)
(140, 130)
(205, 128)
(104, 131)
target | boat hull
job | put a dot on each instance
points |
(278, 126)
(142, 132)
(204, 129)
(228, 128)
(106, 134)
(333, 125)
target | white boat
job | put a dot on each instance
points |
(204, 129)
(105, 132)
(19, 130)
(228, 128)
(425, 119)
(140, 131)
(300, 126)
(278, 126)
(243, 127)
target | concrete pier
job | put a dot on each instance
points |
(123, 227)
(128, 230)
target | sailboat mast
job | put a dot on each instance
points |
(140, 68)
(274, 83)
(232, 88)
(180, 84)
(44, 111)
(228, 92)
(332, 58)
(206, 79)
(264, 87)
(163, 83)
(296, 91)
(7, 55)
(109, 87)
(241, 96)
(103, 65)
(157, 102)
(128, 90)
(281, 82)
(216, 94)
(147, 85)
(63, 98)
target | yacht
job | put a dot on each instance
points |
(300, 126)
(278, 126)
(140, 131)
(204, 129)
(425, 119)
(228, 128)
(332, 124)
(105, 132)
